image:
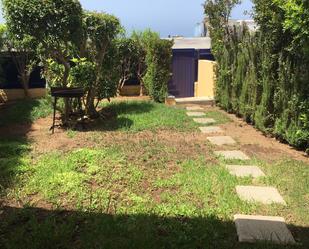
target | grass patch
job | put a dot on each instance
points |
(220, 117)
(290, 177)
(137, 193)
(26, 111)
(13, 162)
(137, 116)
(110, 201)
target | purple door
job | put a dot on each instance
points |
(184, 73)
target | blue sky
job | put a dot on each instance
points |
(168, 17)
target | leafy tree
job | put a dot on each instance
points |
(54, 24)
(296, 20)
(217, 14)
(22, 52)
(99, 47)
(128, 58)
(139, 39)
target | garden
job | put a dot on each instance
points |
(141, 174)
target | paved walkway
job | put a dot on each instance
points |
(249, 228)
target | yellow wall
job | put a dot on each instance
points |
(205, 86)
(130, 90)
(15, 94)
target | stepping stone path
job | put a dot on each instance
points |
(221, 140)
(245, 171)
(262, 229)
(194, 108)
(249, 228)
(211, 129)
(204, 120)
(232, 154)
(195, 114)
(265, 195)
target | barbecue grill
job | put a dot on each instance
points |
(67, 93)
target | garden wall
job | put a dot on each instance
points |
(204, 87)
(130, 90)
(7, 95)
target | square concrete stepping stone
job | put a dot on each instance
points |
(262, 229)
(232, 154)
(245, 171)
(195, 114)
(204, 120)
(221, 140)
(194, 108)
(211, 129)
(265, 195)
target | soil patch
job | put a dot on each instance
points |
(255, 143)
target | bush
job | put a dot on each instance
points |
(158, 59)
(263, 75)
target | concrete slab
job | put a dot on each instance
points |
(232, 154)
(245, 171)
(221, 140)
(194, 108)
(262, 229)
(204, 120)
(265, 195)
(195, 101)
(211, 129)
(195, 114)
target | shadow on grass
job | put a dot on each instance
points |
(130, 107)
(15, 123)
(110, 124)
(24, 111)
(11, 154)
(33, 228)
(113, 115)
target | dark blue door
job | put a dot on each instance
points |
(184, 73)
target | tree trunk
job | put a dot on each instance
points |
(119, 87)
(67, 107)
(142, 88)
(90, 107)
(24, 80)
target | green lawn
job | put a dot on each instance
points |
(26, 111)
(128, 192)
(218, 116)
(137, 116)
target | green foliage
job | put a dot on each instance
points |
(53, 72)
(262, 75)
(128, 52)
(50, 21)
(55, 25)
(296, 13)
(3, 32)
(217, 14)
(158, 61)
(83, 73)
(99, 47)
(22, 52)
(140, 40)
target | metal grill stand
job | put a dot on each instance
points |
(66, 93)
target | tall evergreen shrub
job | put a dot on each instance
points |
(263, 76)
(158, 60)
